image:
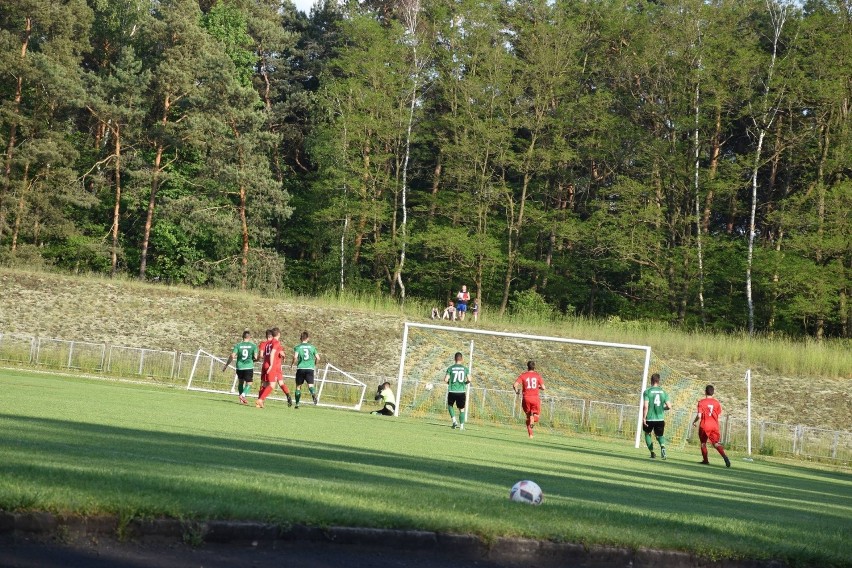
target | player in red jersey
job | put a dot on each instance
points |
(273, 355)
(278, 366)
(709, 411)
(530, 382)
(271, 372)
(264, 366)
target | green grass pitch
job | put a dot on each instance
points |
(73, 445)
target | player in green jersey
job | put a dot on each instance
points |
(457, 379)
(305, 357)
(246, 353)
(655, 402)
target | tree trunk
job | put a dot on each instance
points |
(514, 239)
(116, 215)
(244, 227)
(404, 226)
(436, 183)
(778, 18)
(13, 127)
(751, 230)
(152, 199)
(696, 149)
(776, 279)
(149, 216)
(715, 152)
(22, 202)
(820, 320)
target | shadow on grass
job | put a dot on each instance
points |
(71, 466)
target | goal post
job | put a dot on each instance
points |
(339, 389)
(207, 376)
(571, 369)
(335, 387)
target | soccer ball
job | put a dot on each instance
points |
(526, 492)
(429, 386)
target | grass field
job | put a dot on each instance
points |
(73, 445)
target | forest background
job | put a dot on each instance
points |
(686, 162)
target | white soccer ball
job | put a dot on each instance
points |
(429, 386)
(526, 492)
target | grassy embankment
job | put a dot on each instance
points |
(363, 334)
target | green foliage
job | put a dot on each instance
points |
(552, 147)
(228, 24)
(529, 305)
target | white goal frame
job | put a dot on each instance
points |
(324, 377)
(322, 382)
(212, 359)
(464, 331)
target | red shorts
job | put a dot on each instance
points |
(274, 375)
(711, 435)
(531, 406)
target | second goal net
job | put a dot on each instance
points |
(335, 387)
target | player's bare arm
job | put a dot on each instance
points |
(228, 362)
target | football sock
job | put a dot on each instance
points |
(311, 390)
(298, 395)
(720, 449)
(284, 388)
(662, 440)
(246, 389)
(649, 442)
(461, 416)
(452, 413)
(704, 451)
(265, 391)
(240, 386)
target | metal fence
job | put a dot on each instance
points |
(99, 358)
(420, 398)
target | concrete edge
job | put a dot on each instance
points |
(505, 551)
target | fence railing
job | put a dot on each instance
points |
(419, 398)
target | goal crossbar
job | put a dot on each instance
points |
(463, 331)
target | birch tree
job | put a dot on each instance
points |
(762, 120)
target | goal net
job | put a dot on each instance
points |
(335, 388)
(591, 386)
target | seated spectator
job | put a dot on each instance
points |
(449, 312)
(436, 314)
